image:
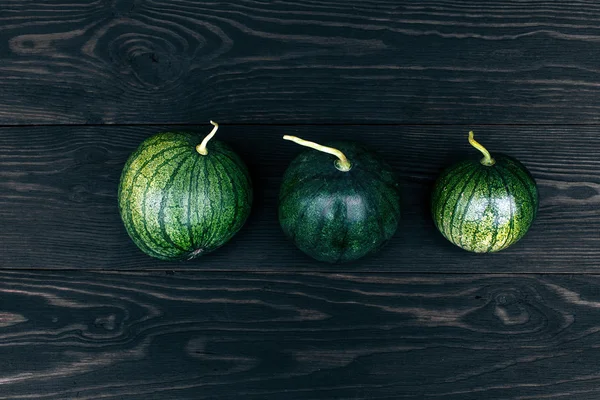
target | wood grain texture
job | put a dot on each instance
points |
(185, 61)
(73, 335)
(58, 204)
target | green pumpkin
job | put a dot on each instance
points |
(338, 210)
(485, 206)
(180, 198)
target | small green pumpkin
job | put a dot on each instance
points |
(338, 211)
(181, 196)
(485, 206)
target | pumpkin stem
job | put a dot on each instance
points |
(487, 159)
(201, 148)
(341, 163)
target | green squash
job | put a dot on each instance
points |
(181, 197)
(485, 206)
(342, 210)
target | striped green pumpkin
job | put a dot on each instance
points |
(177, 204)
(485, 206)
(338, 216)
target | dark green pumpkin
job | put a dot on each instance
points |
(485, 208)
(177, 204)
(338, 216)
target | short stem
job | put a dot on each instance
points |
(201, 148)
(487, 159)
(341, 163)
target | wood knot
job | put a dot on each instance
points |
(79, 193)
(108, 322)
(509, 309)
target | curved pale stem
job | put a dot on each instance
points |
(201, 148)
(487, 158)
(341, 163)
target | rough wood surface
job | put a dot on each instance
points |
(186, 61)
(73, 335)
(58, 198)
(85, 315)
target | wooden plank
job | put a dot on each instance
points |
(58, 203)
(168, 61)
(73, 335)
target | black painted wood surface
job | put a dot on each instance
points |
(85, 315)
(298, 336)
(185, 61)
(63, 181)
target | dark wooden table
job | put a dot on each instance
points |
(85, 315)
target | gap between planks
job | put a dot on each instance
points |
(169, 271)
(253, 124)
